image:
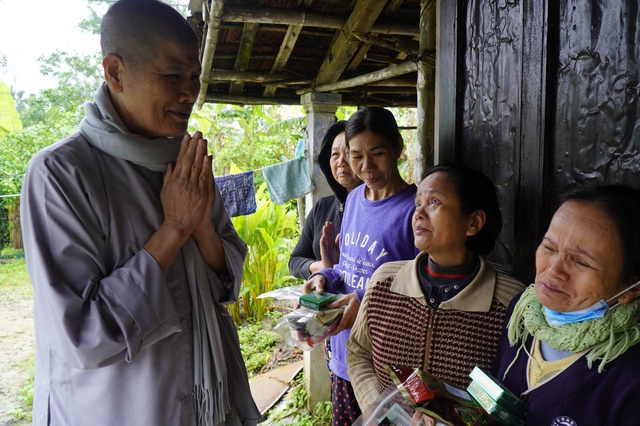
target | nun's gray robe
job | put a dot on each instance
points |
(113, 333)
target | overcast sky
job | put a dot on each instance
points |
(31, 28)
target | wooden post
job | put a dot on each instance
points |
(446, 84)
(424, 158)
(15, 230)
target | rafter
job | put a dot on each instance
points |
(268, 15)
(244, 54)
(389, 10)
(284, 53)
(218, 75)
(385, 73)
(344, 46)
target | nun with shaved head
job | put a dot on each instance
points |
(130, 250)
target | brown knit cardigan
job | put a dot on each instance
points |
(395, 326)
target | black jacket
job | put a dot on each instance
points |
(326, 209)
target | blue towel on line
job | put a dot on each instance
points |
(288, 180)
(238, 193)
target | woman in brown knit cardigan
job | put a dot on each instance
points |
(443, 311)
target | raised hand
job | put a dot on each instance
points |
(329, 246)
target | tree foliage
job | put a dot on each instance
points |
(9, 119)
(9, 125)
(77, 78)
(250, 136)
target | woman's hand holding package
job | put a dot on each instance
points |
(351, 305)
(421, 419)
(317, 283)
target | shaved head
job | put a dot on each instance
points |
(133, 29)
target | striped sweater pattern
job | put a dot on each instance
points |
(459, 340)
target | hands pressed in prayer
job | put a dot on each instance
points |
(187, 196)
(187, 190)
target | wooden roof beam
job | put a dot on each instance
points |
(218, 75)
(393, 43)
(345, 46)
(270, 15)
(290, 39)
(286, 48)
(383, 74)
(213, 27)
(218, 98)
(364, 48)
(244, 54)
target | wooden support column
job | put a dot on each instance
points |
(424, 158)
(449, 24)
(321, 110)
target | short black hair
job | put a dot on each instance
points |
(334, 130)
(622, 205)
(377, 120)
(475, 192)
(324, 158)
(132, 30)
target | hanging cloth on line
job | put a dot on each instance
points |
(288, 180)
(238, 193)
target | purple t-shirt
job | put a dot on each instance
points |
(372, 233)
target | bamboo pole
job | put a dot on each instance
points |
(383, 74)
(213, 28)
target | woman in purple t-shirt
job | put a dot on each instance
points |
(376, 228)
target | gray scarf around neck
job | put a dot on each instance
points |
(103, 129)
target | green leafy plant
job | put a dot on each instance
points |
(270, 233)
(294, 411)
(9, 120)
(257, 344)
(25, 396)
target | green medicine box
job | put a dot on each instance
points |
(503, 415)
(498, 393)
(317, 301)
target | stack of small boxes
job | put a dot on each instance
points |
(496, 400)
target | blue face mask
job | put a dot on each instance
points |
(597, 310)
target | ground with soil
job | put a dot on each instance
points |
(17, 353)
(17, 347)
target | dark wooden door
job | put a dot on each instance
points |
(540, 95)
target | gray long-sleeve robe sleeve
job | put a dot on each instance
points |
(110, 326)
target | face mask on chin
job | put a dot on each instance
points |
(597, 310)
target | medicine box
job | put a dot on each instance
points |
(317, 301)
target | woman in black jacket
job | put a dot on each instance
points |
(306, 257)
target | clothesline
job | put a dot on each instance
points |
(285, 181)
(300, 152)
